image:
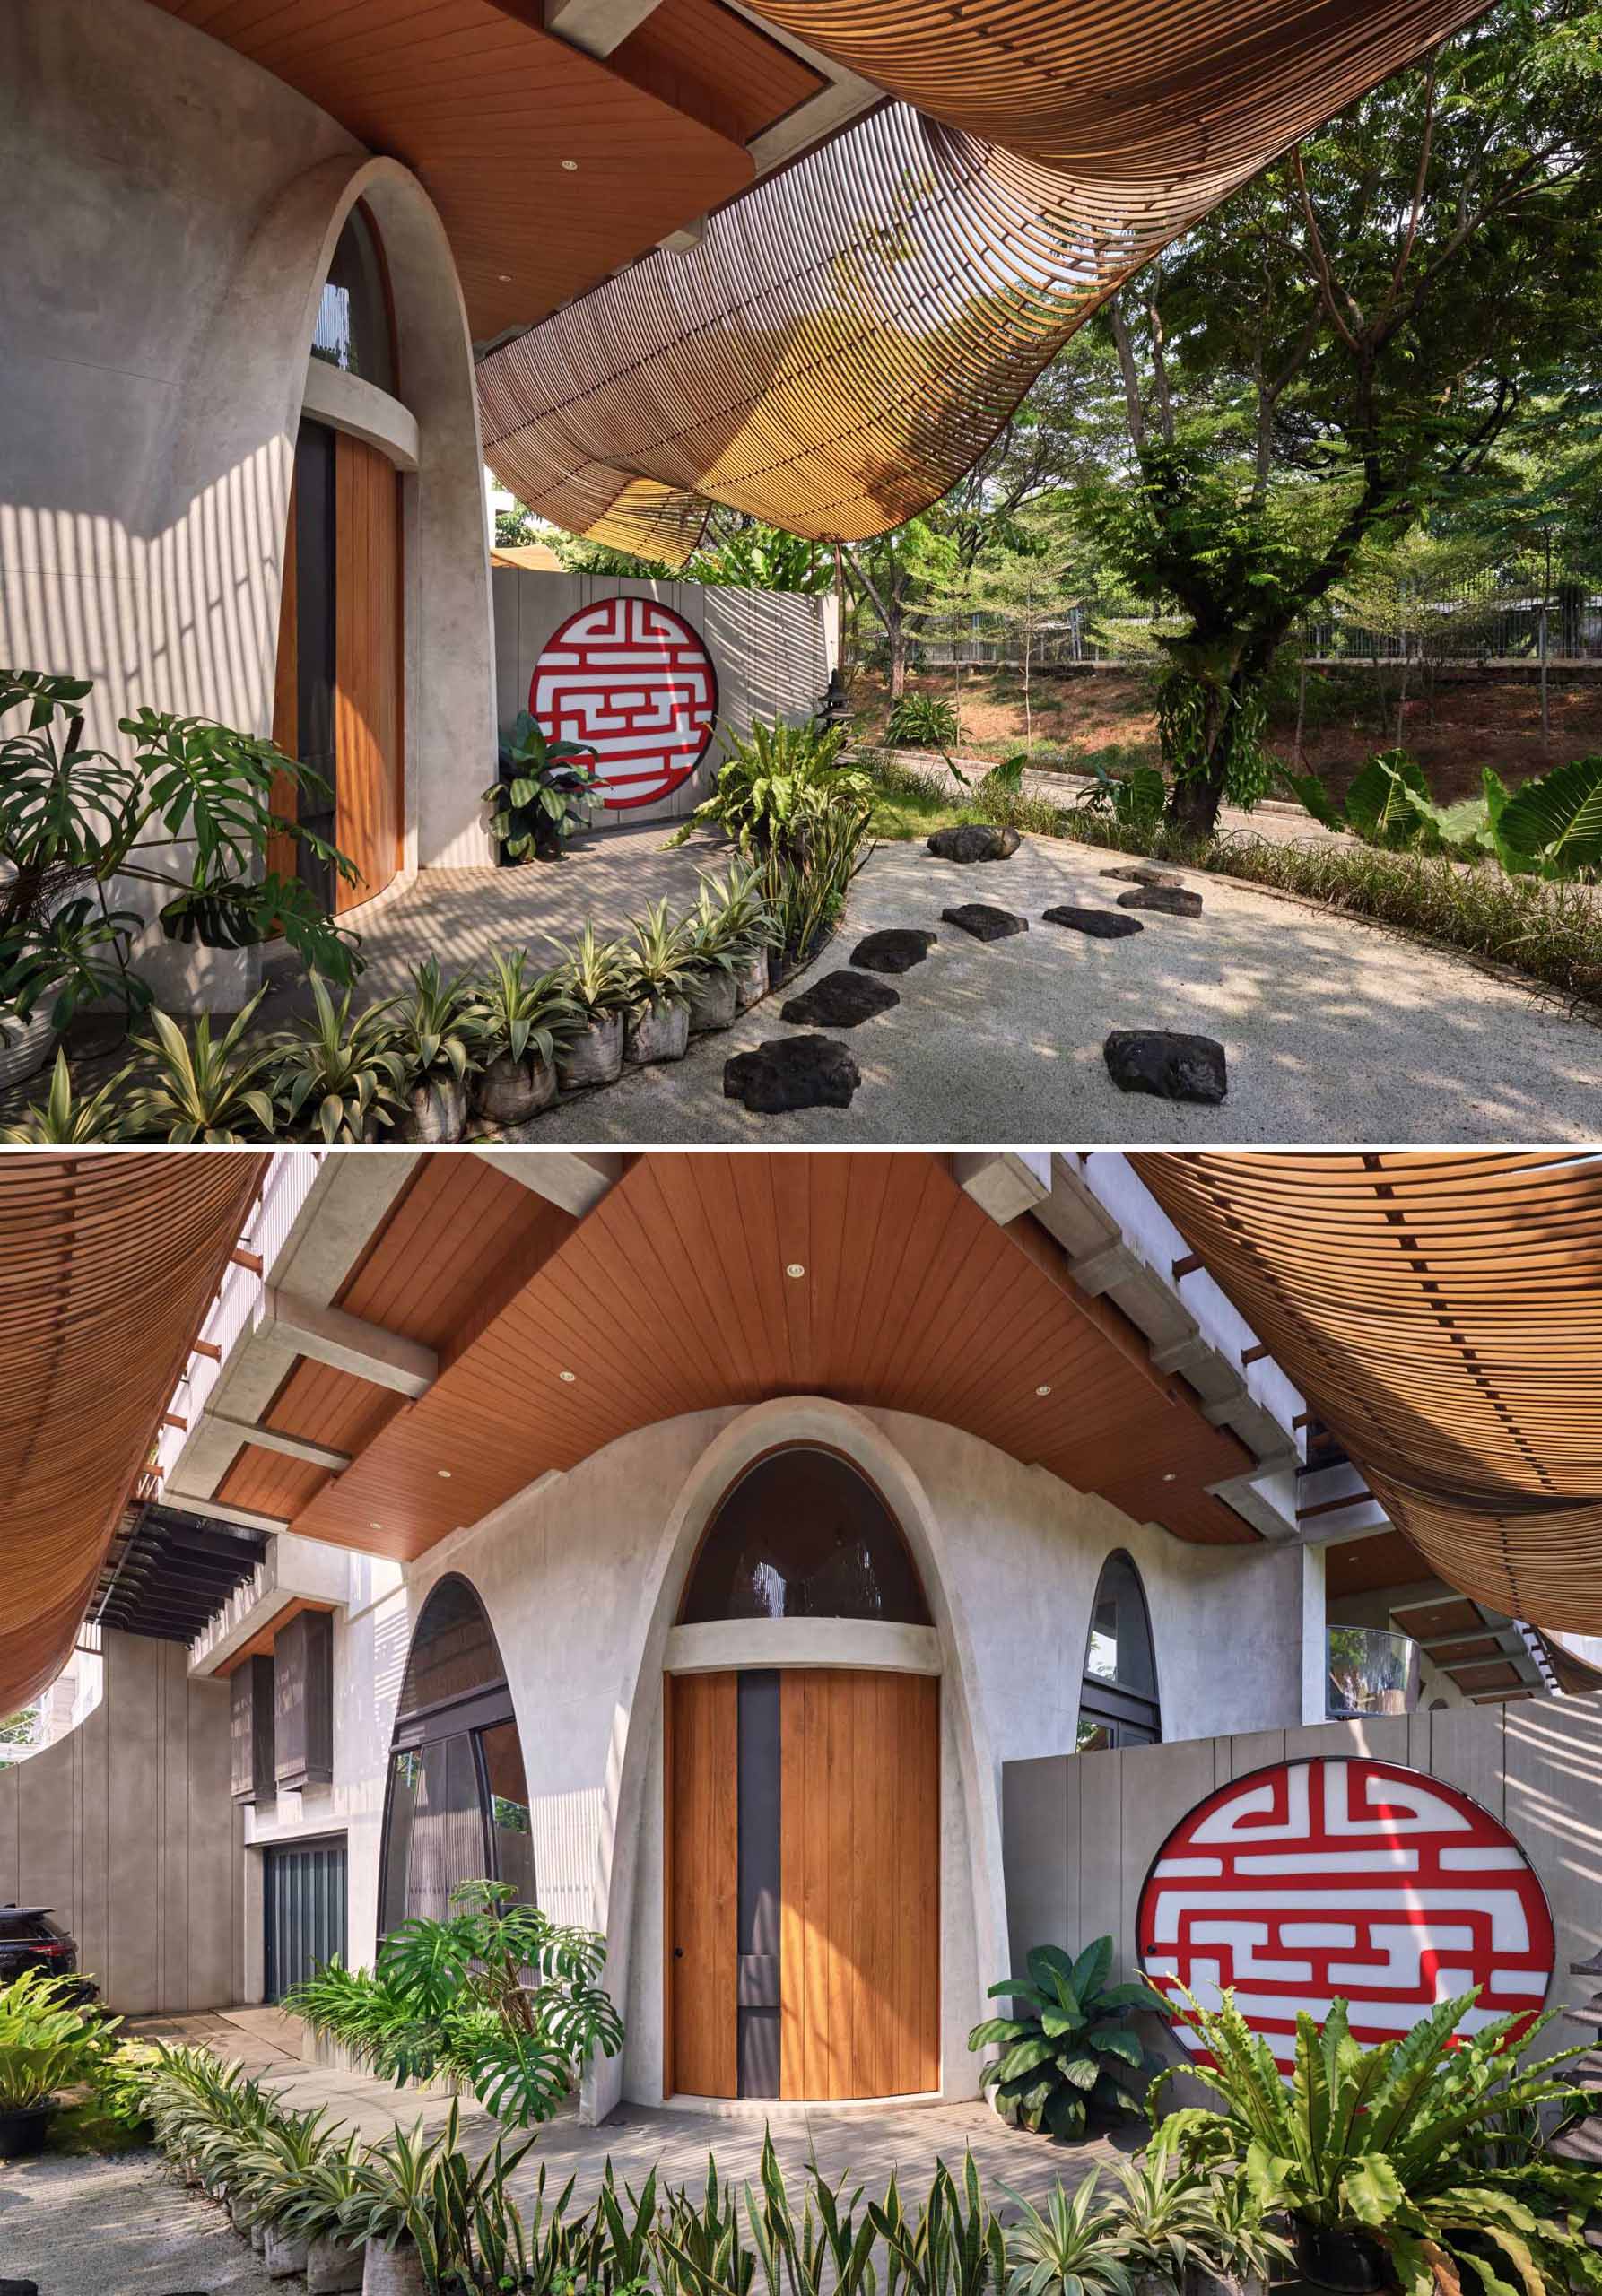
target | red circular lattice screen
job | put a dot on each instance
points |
(1348, 1877)
(633, 682)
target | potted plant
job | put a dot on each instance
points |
(596, 977)
(61, 1120)
(727, 934)
(440, 1037)
(542, 794)
(44, 2045)
(658, 1017)
(524, 1020)
(1073, 2247)
(342, 1080)
(316, 2211)
(201, 1090)
(390, 2215)
(75, 822)
(274, 2172)
(1066, 2050)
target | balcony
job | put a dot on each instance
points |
(1369, 1670)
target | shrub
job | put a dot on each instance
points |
(341, 1078)
(521, 1017)
(542, 794)
(195, 1088)
(776, 786)
(921, 721)
(1066, 2050)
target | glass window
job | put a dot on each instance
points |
(453, 1651)
(352, 321)
(1117, 1698)
(436, 1829)
(511, 1832)
(802, 1534)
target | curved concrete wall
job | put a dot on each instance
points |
(172, 211)
(581, 1575)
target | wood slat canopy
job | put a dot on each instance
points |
(107, 1264)
(850, 334)
(1442, 1313)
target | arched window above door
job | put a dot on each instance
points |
(802, 1534)
(457, 1808)
(353, 329)
(1118, 1697)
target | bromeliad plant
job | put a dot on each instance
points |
(543, 795)
(498, 1996)
(1425, 2148)
(1066, 2050)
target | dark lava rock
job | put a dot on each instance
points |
(896, 950)
(19, 2287)
(841, 1000)
(1173, 901)
(974, 841)
(1162, 1061)
(792, 1072)
(1101, 924)
(1142, 873)
(985, 923)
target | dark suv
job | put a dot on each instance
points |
(31, 1939)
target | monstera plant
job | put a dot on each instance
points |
(1068, 2050)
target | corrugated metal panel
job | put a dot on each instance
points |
(305, 1896)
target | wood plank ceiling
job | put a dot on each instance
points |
(107, 1264)
(1442, 1314)
(673, 1297)
(484, 107)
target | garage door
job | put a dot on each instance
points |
(305, 1911)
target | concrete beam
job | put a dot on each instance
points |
(597, 26)
(1004, 1182)
(328, 1335)
(293, 1447)
(192, 1503)
(575, 1181)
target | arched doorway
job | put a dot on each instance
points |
(457, 1805)
(802, 1807)
(1118, 1697)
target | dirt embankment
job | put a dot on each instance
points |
(1467, 723)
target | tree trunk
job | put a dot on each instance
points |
(898, 659)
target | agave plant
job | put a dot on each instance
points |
(62, 1120)
(440, 1036)
(1073, 2247)
(1066, 2050)
(524, 1015)
(659, 957)
(597, 976)
(201, 1089)
(344, 1078)
(730, 920)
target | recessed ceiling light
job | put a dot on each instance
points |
(1170, 1478)
(1043, 1391)
(568, 1376)
(795, 1269)
(375, 1526)
(505, 278)
(571, 166)
(443, 1473)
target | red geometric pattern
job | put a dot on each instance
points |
(633, 682)
(1350, 1877)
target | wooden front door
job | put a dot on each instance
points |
(856, 1872)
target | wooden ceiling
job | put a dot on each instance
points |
(672, 1296)
(483, 106)
(1442, 1313)
(108, 1264)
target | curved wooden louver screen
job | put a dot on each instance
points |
(107, 1263)
(1442, 1314)
(851, 333)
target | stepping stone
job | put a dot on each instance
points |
(985, 923)
(841, 1000)
(792, 1072)
(1173, 901)
(1101, 924)
(1142, 873)
(896, 950)
(974, 841)
(1166, 1063)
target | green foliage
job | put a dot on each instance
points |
(776, 785)
(195, 1088)
(1070, 2249)
(1134, 796)
(659, 958)
(1066, 2050)
(47, 2043)
(439, 1029)
(1428, 2143)
(523, 1017)
(730, 920)
(1551, 828)
(1556, 822)
(343, 1078)
(542, 794)
(756, 557)
(596, 975)
(63, 1120)
(498, 1996)
(921, 721)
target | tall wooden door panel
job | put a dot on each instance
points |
(703, 1883)
(368, 655)
(860, 1941)
(286, 730)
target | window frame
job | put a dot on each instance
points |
(742, 1476)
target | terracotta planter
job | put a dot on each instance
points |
(509, 1091)
(712, 1002)
(332, 2268)
(657, 1032)
(439, 1111)
(284, 2253)
(392, 2272)
(25, 1045)
(751, 979)
(595, 1057)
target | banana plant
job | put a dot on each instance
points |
(1066, 2050)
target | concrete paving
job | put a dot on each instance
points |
(1335, 1030)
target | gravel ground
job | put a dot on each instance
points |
(122, 2227)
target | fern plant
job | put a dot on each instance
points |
(1066, 2051)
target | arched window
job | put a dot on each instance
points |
(457, 1804)
(352, 322)
(802, 1534)
(1117, 1701)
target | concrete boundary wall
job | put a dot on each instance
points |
(127, 1827)
(772, 649)
(1080, 1830)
